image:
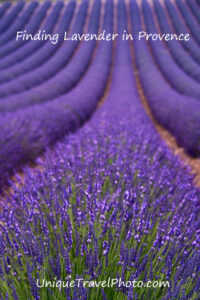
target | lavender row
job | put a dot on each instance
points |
(178, 113)
(28, 132)
(46, 55)
(9, 18)
(45, 65)
(19, 23)
(100, 205)
(31, 27)
(62, 81)
(173, 74)
(189, 20)
(179, 54)
(34, 46)
(4, 7)
(191, 46)
(194, 8)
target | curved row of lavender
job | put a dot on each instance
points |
(54, 74)
(26, 133)
(31, 47)
(185, 130)
(177, 78)
(4, 8)
(37, 59)
(19, 23)
(31, 28)
(194, 8)
(62, 81)
(111, 201)
(190, 20)
(180, 27)
(178, 53)
(178, 113)
(9, 18)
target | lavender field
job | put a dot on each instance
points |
(95, 201)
